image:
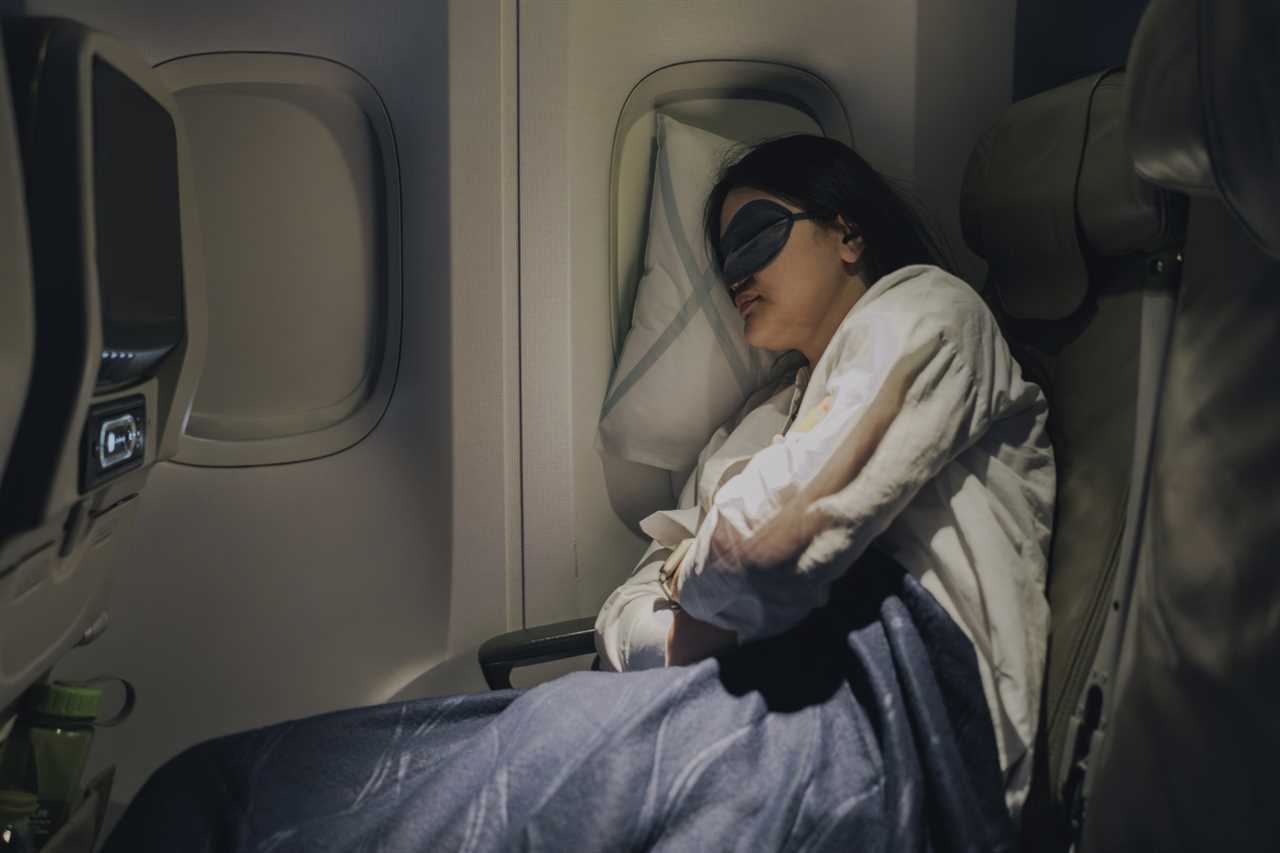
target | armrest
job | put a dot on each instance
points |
(500, 654)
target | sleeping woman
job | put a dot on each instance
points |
(835, 641)
(910, 430)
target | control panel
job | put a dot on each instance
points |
(114, 440)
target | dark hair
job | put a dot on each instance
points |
(829, 179)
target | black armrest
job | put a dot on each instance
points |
(500, 654)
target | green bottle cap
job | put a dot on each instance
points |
(18, 803)
(61, 700)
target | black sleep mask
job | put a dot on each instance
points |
(755, 236)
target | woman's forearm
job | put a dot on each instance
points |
(783, 537)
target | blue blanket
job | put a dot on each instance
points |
(862, 728)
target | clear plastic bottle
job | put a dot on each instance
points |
(16, 809)
(47, 752)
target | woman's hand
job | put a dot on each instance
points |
(691, 640)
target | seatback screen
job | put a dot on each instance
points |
(138, 230)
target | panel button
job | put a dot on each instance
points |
(118, 438)
(114, 440)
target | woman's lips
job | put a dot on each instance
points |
(745, 302)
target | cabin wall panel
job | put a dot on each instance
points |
(964, 80)
(245, 596)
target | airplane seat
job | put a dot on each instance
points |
(1079, 251)
(1191, 733)
(1084, 259)
(109, 312)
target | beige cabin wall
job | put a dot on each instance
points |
(246, 596)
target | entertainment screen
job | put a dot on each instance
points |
(139, 240)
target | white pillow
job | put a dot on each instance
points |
(685, 367)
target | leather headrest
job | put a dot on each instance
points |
(1119, 213)
(1051, 179)
(1204, 105)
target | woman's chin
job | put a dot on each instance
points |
(757, 334)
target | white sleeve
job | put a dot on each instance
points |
(634, 621)
(910, 388)
(632, 626)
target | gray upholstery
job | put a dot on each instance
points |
(1203, 86)
(1193, 735)
(1049, 183)
(1018, 203)
(1119, 213)
(1070, 298)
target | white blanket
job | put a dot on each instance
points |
(914, 429)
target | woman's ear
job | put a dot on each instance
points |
(852, 243)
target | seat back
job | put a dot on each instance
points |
(1075, 245)
(111, 334)
(17, 299)
(1191, 731)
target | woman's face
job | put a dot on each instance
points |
(798, 299)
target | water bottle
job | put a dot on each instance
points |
(16, 809)
(48, 750)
